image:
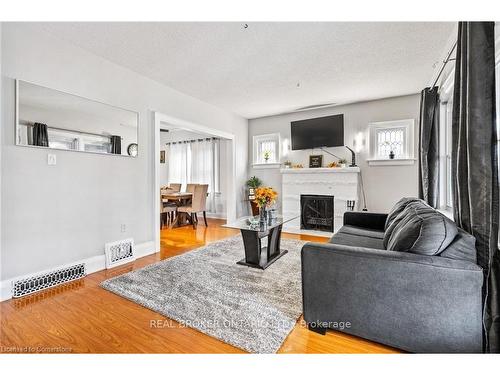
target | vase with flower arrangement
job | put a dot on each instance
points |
(264, 198)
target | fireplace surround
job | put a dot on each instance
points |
(340, 183)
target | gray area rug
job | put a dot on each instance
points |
(205, 289)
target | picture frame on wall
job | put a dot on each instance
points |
(162, 156)
(315, 161)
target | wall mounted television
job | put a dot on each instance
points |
(318, 132)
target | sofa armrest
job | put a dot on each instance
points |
(413, 302)
(364, 219)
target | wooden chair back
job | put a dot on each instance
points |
(190, 188)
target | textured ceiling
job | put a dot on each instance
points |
(269, 68)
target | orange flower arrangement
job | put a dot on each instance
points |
(265, 196)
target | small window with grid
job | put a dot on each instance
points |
(266, 149)
(392, 140)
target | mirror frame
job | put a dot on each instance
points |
(16, 124)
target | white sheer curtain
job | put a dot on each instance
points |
(179, 162)
(202, 163)
(195, 162)
(203, 168)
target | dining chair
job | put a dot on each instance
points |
(166, 190)
(198, 204)
(175, 187)
(190, 188)
(168, 211)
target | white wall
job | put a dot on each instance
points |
(164, 138)
(384, 185)
(55, 215)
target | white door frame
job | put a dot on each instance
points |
(231, 196)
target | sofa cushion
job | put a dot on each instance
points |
(463, 247)
(367, 232)
(354, 240)
(401, 214)
(397, 209)
(422, 230)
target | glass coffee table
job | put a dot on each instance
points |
(253, 232)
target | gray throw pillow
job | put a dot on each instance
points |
(398, 213)
(422, 231)
(397, 209)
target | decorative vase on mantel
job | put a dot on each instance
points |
(391, 155)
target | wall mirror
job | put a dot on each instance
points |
(55, 119)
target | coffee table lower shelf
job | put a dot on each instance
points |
(257, 256)
(263, 264)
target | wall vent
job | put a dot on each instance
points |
(314, 106)
(29, 285)
(119, 252)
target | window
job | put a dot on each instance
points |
(391, 142)
(445, 134)
(62, 139)
(197, 162)
(71, 140)
(446, 113)
(95, 143)
(447, 152)
(266, 150)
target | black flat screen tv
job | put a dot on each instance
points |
(318, 132)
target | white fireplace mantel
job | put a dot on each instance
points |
(320, 170)
(342, 183)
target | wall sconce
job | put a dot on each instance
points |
(286, 146)
(359, 142)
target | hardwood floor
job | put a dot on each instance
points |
(81, 317)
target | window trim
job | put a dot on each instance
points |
(257, 140)
(409, 142)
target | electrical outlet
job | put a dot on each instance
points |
(123, 228)
(51, 159)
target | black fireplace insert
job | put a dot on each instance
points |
(316, 212)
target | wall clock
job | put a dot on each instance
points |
(132, 149)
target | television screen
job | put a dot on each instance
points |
(318, 132)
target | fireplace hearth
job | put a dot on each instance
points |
(317, 212)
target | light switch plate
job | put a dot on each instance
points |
(51, 159)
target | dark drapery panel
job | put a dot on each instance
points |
(116, 144)
(40, 135)
(428, 188)
(475, 159)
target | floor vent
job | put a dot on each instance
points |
(39, 282)
(119, 252)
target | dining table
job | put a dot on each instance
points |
(176, 196)
(179, 198)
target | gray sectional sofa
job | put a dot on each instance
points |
(408, 279)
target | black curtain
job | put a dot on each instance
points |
(475, 159)
(428, 188)
(40, 135)
(116, 144)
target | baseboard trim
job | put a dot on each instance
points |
(144, 249)
(216, 216)
(92, 264)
